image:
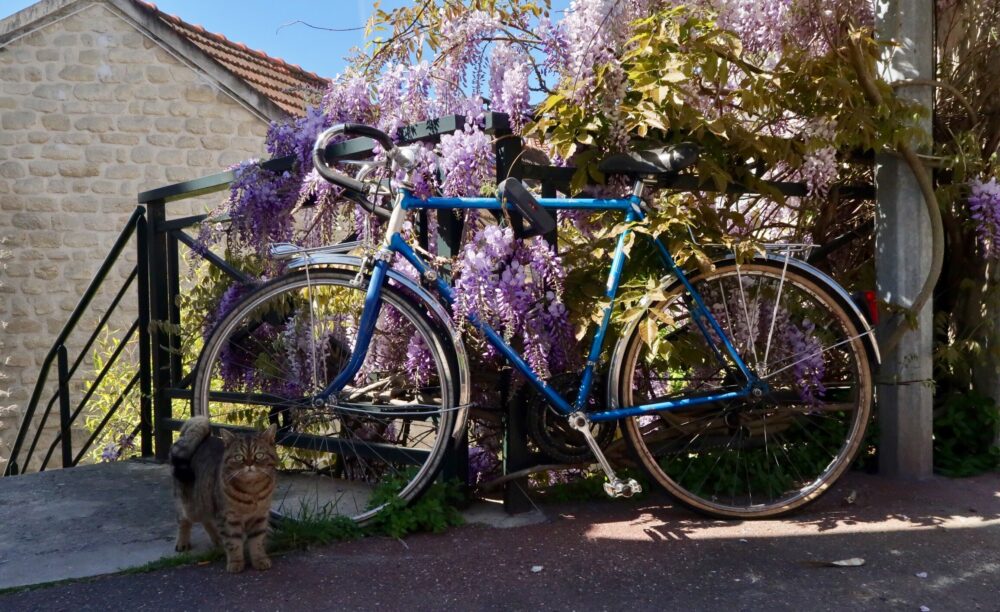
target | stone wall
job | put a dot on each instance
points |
(92, 111)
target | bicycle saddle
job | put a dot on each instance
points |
(662, 160)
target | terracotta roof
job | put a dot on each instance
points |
(287, 85)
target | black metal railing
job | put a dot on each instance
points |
(21, 456)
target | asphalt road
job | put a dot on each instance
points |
(933, 545)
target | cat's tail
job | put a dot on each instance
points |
(193, 432)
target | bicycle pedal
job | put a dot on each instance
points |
(622, 488)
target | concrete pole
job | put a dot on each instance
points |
(903, 252)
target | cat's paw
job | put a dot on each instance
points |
(261, 563)
(235, 567)
(182, 546)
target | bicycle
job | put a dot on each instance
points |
(751, 400)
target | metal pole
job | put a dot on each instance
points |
(903, 252)
(159, 313)
(65, 423)
(145, 363)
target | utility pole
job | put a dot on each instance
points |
(903, 251)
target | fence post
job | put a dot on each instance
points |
(517, 455)
(65, 424)
(903, 254)
(159, 314)
(145, 374)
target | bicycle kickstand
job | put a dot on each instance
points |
(615, 486)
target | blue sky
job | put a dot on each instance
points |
(258, 24)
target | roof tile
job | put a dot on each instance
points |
(287, 85)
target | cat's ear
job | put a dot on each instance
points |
(268, 434)
(227, 436)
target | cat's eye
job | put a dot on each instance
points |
(237, 457)
(260, 456)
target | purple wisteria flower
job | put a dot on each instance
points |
(468, 161)
(509, 72)
(516, 287)
(984, 208)
(117, 449)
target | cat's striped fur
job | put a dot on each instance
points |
(226, 484)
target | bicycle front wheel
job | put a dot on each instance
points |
(749, 458)
(383, 438)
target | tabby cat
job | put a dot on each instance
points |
(226, 484)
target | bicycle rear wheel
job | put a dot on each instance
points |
(390, 428)
(743, 458)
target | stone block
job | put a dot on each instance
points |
(118, 138)
(24, 325)
(123, 173)
(231, 158)
(61, 152)
(29, 186)
(40, 203)
(158, 74)
(57, 185)
(94, 123)
(33, 74)
(46, 271)
(142, 155)
(182, 109)
(76, 139)
(90, 57)
(57, 123)
(79, 169)
(10, 74)
(12, 170)
(24, 151)
(41, 168)
(169, 91)
(18, 120)
(40, 105)
(66, 39)
(81, 239)
(45, 240)
(222, 126)
(170, 125)
(170, 157)
(78, 73)
(154, 108)
(99, 154)
(215, 142)
(104, 187)
(48, 91)
(133, 124)
(79, 204)
(196, 125)
(93, 92)
(201, 159)
(47, 55)
(177, 175)
(160, 140)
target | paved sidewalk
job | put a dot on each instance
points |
(934, 544)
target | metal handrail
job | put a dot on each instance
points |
(12, 467)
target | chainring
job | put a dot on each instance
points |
(551, 431)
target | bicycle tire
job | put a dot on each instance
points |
(259, 366)
(750, 459)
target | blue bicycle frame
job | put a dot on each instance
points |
(632, 208)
